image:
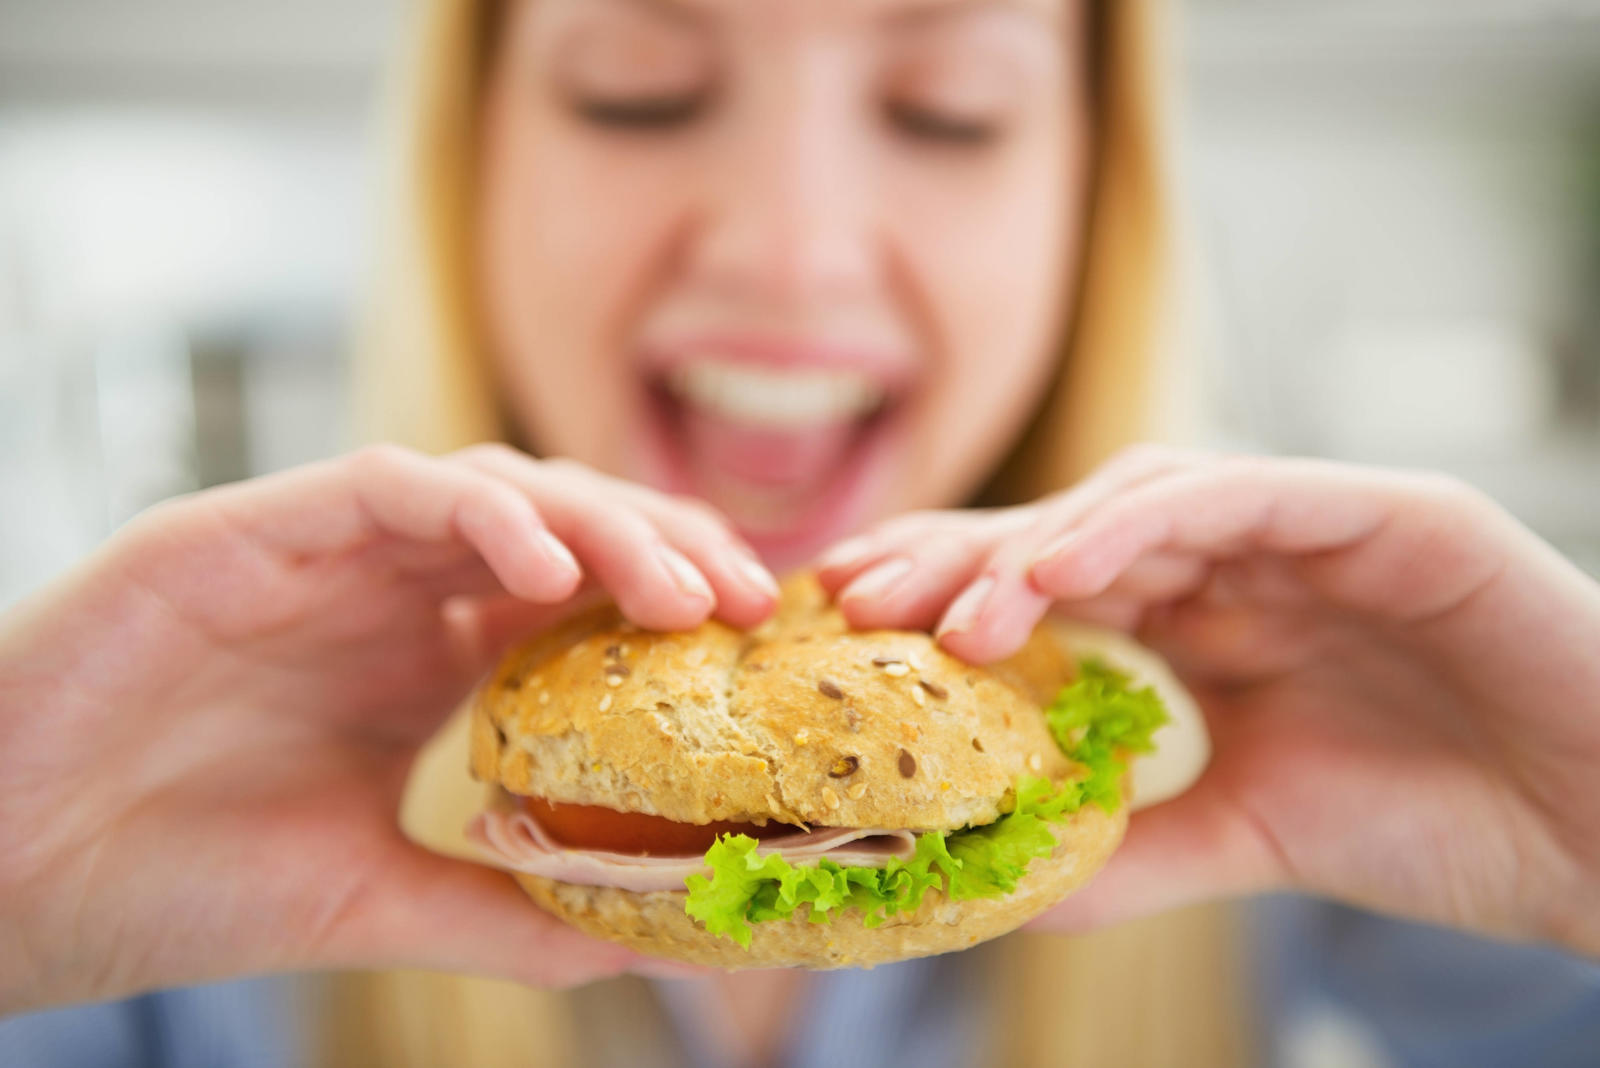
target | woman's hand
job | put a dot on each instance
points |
(1402, 684)
(204, 730)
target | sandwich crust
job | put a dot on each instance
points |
(801, 720)
(655, 923)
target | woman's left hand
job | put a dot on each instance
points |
(1402, 684)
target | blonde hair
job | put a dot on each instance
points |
(1161, 991)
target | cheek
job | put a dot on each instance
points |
(994, 262)
(571, 238)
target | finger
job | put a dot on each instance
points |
(905, 535)
(1125, 614)
(427, 911)
(847, 559)
(1298, 508)
(1146, 588)
(483, 628)
(927, 558)
(654, 584)
(993, 616)
(658, 968)
(1197, 847)
(415, 496)
(842, 563)
(1161, 577)
(1232, 645)
(1134, 466)
(910, 590)
(746, 591)
(391, 492)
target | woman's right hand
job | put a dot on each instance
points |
(205, 728)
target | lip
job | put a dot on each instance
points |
(840, 505)
(840, 509)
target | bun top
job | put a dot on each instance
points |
(801, 720)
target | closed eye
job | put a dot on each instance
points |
(643, 112)
(928, 124)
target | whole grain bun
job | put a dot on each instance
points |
(655, 923)
(801, 720)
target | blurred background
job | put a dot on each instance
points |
(1392, 220)
(1393, 213)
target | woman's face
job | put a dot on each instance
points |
(803, 260)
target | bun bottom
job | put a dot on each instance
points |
(654, 923)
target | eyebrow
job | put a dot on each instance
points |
(678, 11)
(931, 11)
(921, 12)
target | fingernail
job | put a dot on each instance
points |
(845, 553)
(963, 615)
(879, 580)
(559, 554)
(757, 575)
(1060, 546)
(686, 575)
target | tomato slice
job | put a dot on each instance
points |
(595, 827)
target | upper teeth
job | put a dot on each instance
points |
(775, 397)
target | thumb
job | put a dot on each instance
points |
(427, 911)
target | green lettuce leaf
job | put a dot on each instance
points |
(746, 888)
(996, 856)
(1092, 720)
(1098, 715)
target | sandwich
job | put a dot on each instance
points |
(802, 794)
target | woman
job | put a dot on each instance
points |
(913, 192)
(807, 264)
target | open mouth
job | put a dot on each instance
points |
(792, 451)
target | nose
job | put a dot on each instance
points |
(787, 222)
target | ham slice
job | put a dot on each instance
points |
(515, 840)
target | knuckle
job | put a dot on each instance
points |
(1452, 493)
(1040, 527)
(1247, 466)
(1049, 506)
(566, 467)
(491, 452)
(923, 524)
(382, 460)
(630, 524)
(573, 479)
(146, 529)
(896, 528)
(701, 513)
(1148, 455)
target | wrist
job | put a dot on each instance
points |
(24, 984)
(1563, 911)
(16, 981)
(1575, 925)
